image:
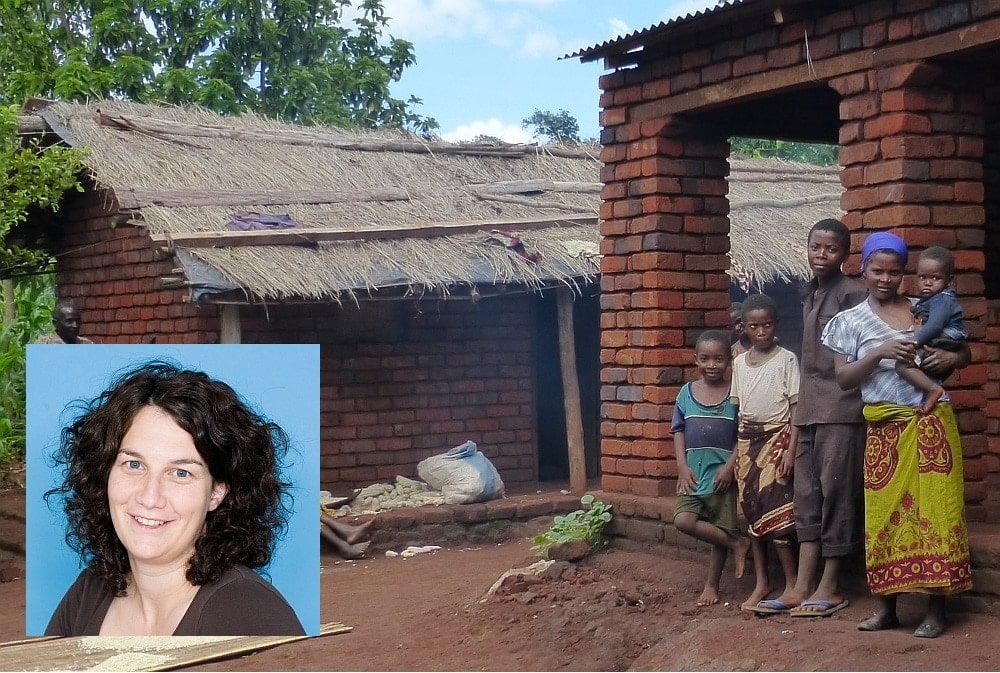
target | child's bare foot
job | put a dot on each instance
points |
(356, 551)
(359, 531)
(931, 400)
(710, 596)
(741, 547)
(759, 594)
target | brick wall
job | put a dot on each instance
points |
(665, 235)
(402, 381)
(112, 273)
(914, 139)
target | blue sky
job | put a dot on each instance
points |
(484, 65)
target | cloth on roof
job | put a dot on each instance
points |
(261, 222)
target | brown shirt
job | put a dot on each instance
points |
(241, 603)
(820, 398)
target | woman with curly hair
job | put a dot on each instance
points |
(173, 498)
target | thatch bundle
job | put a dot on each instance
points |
(181, 171)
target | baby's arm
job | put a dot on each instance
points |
(939, 311)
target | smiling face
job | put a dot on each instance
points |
(883, 274)
(826, 252)
(160, 491)
(932, 276)
(711, 357)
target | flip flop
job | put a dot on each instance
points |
(770, 606)
(875, 623)
(928, 631)
(829, 607)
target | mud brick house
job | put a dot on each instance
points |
(434, 326)
(910, 91)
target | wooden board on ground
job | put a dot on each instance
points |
(110, 653)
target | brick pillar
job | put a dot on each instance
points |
(991, 184)
(912, 140)
(665, 235)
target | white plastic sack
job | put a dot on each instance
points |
(463, 475)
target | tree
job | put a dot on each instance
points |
(560, 127)
(32, 176)
(290, 59)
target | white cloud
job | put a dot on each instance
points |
(509, 133)
(618, 27)
(539, 44)
(418, 20)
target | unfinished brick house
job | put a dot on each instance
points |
(433, 330)
(908, 88)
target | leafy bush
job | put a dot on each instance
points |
(583, 524)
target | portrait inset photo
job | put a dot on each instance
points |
(173, 490)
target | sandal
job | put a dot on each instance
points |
(878, 623)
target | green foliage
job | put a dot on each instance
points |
(33, 300)
(31, 176)
(810, 153)
(583, 524)
(291, 59)
(559, 127)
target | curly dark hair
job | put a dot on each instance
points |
(759, 302)
(241, 449)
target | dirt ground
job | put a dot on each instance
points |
(618, 610)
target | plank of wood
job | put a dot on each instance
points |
(162, 654)
(743, 88)
(135, 197)
(214, 239)
(571, 392)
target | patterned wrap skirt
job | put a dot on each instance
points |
(915, 533)
(765, 498)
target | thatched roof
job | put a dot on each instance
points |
(389, 213)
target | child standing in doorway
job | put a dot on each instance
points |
(829, 499)
(939, 318)
(765, 387)
(704, 430)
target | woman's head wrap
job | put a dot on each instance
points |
(882, 240)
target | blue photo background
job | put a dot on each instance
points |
(281, 382)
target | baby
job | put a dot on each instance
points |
(938, 318)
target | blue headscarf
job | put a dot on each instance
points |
(882, 240)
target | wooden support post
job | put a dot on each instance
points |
(571, 392)
(230, 333)
(8, 302)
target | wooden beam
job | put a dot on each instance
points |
(960, 39)
(571, 392)
(231, 331)
(215, 239)
(29, 125)
(135, 198)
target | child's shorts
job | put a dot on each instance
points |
(718, 509)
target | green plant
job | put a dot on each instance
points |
(33, 299)
(583, 524)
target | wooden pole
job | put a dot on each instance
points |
(231, 332)
(571, 392)
(8, 302)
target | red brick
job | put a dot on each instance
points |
(896, 123)
(912, 192)
(750, 64)
(864, 106)
(896, 169)
(650, 487)
(918, 147)
(859, 153)
(614, 483)
(958, 216)
(972, 192)
(894, 216)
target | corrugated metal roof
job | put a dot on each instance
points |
(627, 42)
